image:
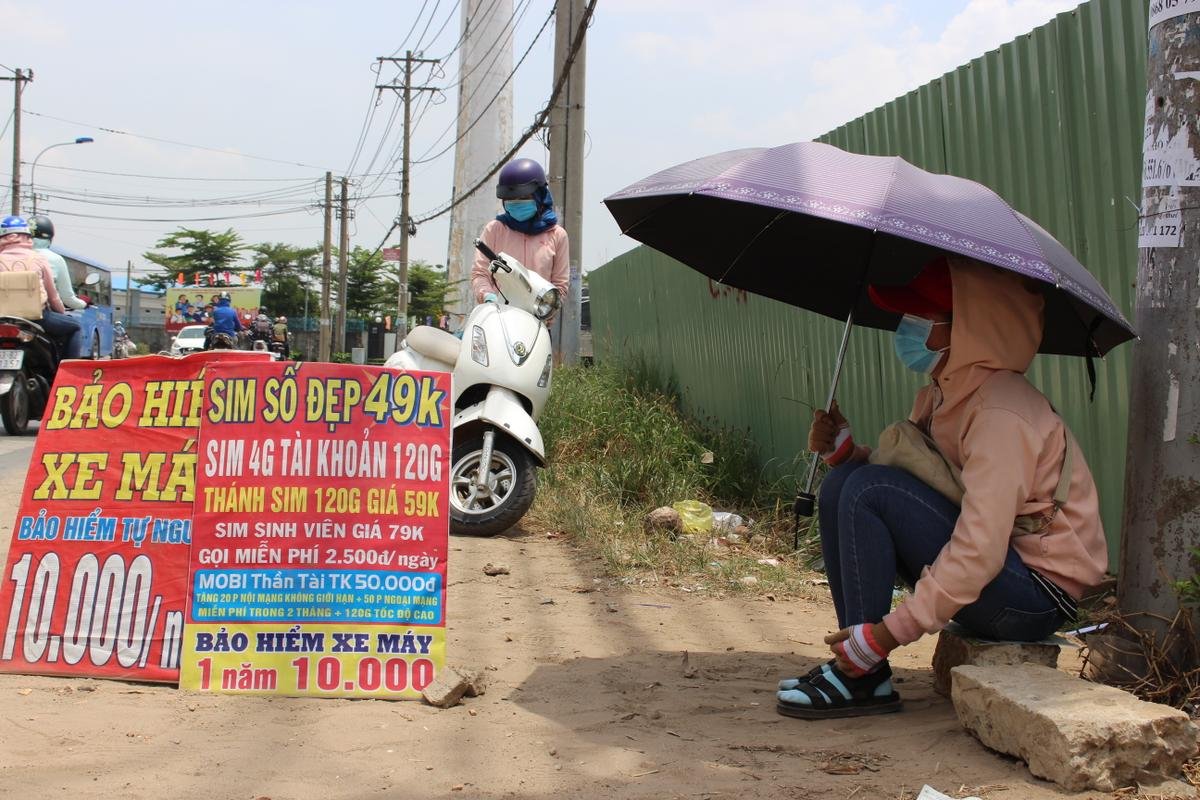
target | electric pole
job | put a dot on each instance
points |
(407, 228)
(129, 293)
(1161, 523)
(484, 133)
(19, 79)
(323, 341)
(566, 136)
(343, 259)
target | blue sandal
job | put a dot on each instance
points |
(787, 684)
(828, 693)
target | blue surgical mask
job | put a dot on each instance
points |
(520, 210)
(911, 335)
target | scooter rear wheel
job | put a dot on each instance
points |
(14, 407)
(511, 483)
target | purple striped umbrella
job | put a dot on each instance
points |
(811, 225)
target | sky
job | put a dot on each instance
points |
(224, 109)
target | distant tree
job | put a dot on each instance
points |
(201, 253)
(289, 273)
(367, 292)
(428, 286)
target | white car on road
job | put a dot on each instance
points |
(190, 339)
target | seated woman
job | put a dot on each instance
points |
(1010, 563)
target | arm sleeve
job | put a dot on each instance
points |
(481, 277)
(1000, 452)
(560, 271)
(62, 281)
(55, 302)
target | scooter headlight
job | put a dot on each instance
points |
(479, 352)
(548, 303)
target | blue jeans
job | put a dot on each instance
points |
(879, 523)
(64, 329)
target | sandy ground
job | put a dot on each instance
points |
(587, 699)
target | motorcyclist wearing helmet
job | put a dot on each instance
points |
(17, 255)
(43, 234)
(528, 230)
(225, 317)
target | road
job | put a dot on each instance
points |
(589, 698)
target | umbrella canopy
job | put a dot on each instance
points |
(809, 224)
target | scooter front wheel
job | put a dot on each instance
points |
(484, 502)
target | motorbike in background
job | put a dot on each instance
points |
(219, 340)
(122, 346)
(28, 362)
(501, 368)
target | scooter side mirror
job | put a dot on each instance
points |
(91, 279)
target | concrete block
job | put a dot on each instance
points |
(1080, 735)
(956, 647)
(447, 689)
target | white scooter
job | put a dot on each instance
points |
(501, 368)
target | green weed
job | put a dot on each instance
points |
(619, 446)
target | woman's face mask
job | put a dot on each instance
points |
(520, 210)
(911, 335)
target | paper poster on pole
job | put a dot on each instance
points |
(96, 576)
(320, 532)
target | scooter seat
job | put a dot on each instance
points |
(434, 343)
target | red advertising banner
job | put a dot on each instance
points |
(320, 532)
(97, 569)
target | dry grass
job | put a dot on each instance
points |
(618, 447)
(1152, 657)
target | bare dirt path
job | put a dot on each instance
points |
(588, 698)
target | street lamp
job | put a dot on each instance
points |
(33, 169)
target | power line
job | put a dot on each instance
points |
(417, 47)
(461, 76)
(440, 30)
(538, 122)
(495, 97)
(186, 219)
(495, 51)
(416, 22)
(171, 177)
(172, 141)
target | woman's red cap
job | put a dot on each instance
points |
(931, 292)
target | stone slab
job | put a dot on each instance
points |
(1078, 734)
(956, 647)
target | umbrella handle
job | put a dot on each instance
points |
(805, 502)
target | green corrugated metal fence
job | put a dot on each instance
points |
(1052, 121)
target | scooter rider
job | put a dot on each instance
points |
(528, 230)
(225, 320)
(17, 255)
(43, 234)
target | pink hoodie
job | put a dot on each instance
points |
(989, 420)
(545, 253)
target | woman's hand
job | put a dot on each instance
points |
(830, 436)
(859, 648)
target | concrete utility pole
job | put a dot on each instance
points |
(485, 134)
(407, 228)
(129, 293)
(323, 341)
(1161, 523)
(343, 260)
(566, 135)
(19, 80)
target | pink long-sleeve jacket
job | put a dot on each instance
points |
(545, 253)
(989, 420)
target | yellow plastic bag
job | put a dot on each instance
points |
(696, 517)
